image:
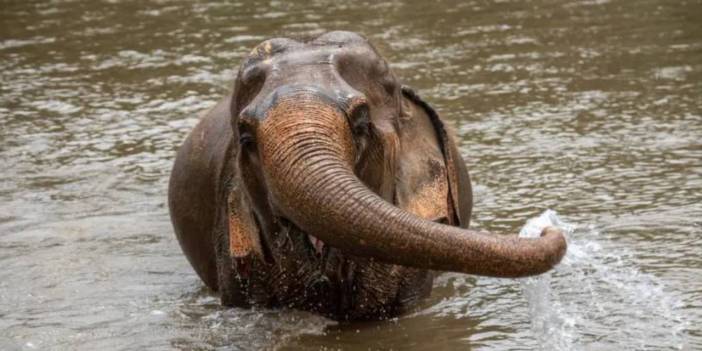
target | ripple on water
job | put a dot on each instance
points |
(589, 107)
(589, 300)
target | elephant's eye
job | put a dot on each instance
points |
(360, 120)
(246, 139)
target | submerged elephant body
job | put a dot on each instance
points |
(321, 184)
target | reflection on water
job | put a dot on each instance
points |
(588, 107)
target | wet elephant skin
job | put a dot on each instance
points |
(322, 184)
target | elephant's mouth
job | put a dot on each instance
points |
(290, 243)
(317, 244)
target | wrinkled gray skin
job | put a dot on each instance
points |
(321, 184)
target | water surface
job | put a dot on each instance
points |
(592, 108)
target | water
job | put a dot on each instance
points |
(551, 324)
(591, 108)
(591, 289)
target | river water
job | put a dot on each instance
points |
(592, 108)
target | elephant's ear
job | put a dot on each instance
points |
(244, 238)
(432, 181)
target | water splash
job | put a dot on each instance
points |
(585, 301)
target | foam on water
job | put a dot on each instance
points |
(584, 302)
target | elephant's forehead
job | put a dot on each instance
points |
(304, 53)
(321, 50)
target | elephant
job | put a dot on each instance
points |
(322, 184)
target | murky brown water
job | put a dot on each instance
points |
(592, 108)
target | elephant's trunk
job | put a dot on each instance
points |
(307, 153)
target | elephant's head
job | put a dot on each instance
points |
(325, 146)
